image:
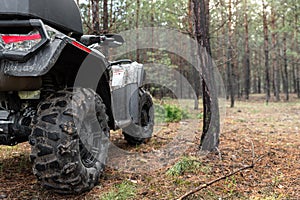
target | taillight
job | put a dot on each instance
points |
(20, 42)
(21, 39)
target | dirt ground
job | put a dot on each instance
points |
(268, 134)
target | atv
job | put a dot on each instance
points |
(67, 122)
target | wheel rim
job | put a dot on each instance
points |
(90, 143)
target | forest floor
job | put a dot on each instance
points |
(252, 131)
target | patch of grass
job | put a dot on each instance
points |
(254, 111)
(241, 120)
(182, 182)
(159, 114)
(186, 164)
(125, 190)
(206, 169)
(272, 197)
(23, 163)
(210, 194)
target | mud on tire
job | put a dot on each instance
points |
(70, 139)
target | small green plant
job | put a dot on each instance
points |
(186, 164)
(230, 185)
(174, 114)
(169, 113)
(277, 179)
(200, 116)
(125, 190)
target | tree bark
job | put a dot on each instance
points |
(105, 17)
(286, 75)
(297, 50)
(111, 14)
(298, 82)
(230, 65)
(196, 80)
(255, 73)
(247, 79)
(95, 17)
(266, 50)
(137, 26)
(275, 64)
(259, 73)
(105, 25)
(211, 120)
(294, 78)
(230, 75)
(89, 17)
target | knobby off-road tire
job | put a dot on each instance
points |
(70, 139)
(141, 132)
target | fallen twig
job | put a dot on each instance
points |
(201, 187)
(214, 181)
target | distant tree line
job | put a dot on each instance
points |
(254, 44)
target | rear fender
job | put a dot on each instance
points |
(65, 59)
(83, 67)
(39, 64)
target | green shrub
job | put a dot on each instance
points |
(169, 113)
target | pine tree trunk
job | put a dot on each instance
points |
(137, 26)
(266, 51)
(275, 64)
(230, 75)
(294, 72)
(105, 17)
(95, 17)
(247, 54)
(111, 14)
(89, 18)
(286, 75)
(236, 74)
(297, 50)
(105, 25)
(259, 73)
(254, 78)
(211, 121)
(195, 74)
(298, 82)
(230, 66)
(294, 78)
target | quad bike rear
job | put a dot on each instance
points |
(42, 50)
